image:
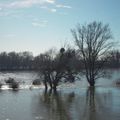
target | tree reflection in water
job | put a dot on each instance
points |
(57, 104)
(90, 112)
(86, 104)
(98, 105)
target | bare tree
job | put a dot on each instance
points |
(93, 41)
(56, 68)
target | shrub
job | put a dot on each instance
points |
(36, 82)
(14, 85)
(9, 81)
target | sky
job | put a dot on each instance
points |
(38, 25)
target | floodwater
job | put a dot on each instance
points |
(71, 102)
(25, 77)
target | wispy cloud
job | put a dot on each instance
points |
(29, 3)
(63, 6)
(50, 1)
(25, 3)
(39, 23)
(63, 13)
(7, 8)
(53, 10)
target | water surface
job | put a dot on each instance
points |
(66, 104)
(71, 102)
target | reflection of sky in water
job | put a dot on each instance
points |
(71, 104)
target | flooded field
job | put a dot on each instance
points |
(25, 77)
(72, 101)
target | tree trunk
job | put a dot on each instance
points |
(92, 82)
(50, 82)
(45, 83)
(55, 87)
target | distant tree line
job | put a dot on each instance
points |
(16, 61)
(113, 59)
(26, 60)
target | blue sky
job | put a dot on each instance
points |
(38, 25)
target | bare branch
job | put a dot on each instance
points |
(93, 41)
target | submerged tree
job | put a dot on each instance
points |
(93, 41)
(43, 64)
(56, 68)
(64, 66)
